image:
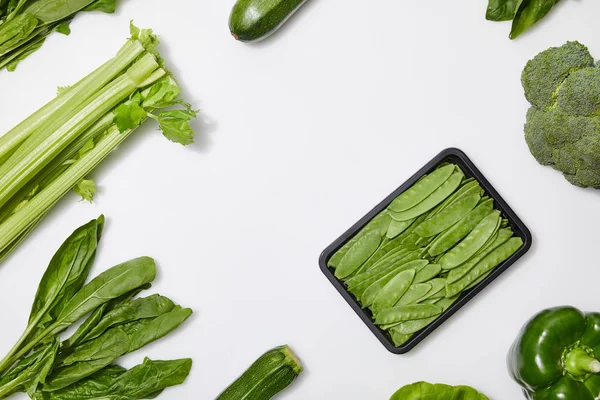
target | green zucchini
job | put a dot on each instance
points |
(269, 375)
(253, 20)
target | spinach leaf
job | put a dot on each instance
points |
(528, 13)
(140, 382)
(16, 30)
(424, 390)
(107, 6)
(54, 10)
(502, 10)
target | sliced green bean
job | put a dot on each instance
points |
(391, 293)
(489, 262)
(456, 274)
(414, 293)
(379, 222)
(422, 189)
(428, 272)
(435, 198)
(462, 228)
(448, 217)
(358, 254)
(407, 313)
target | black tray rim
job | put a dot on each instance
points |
(460, 158)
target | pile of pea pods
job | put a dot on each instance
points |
(412, 261)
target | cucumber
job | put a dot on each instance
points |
(269, 375)
(253, 20)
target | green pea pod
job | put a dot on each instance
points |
(357, 285)
(397, 227)
(473, 242)
(465, 187)
(377, 255)
(430, 271)
(407, 313)
(528, 13)
(437, 286)
(462, 228)
(448, 217)
(435, 198)
(414, 326)
(414, 293)
(493, 259)
(423, 188)
(398, 338)
(368, 297)
(358, 254)
(391, 293)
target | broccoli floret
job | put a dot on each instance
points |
(563, 124)
(580, 92)
(544, 74)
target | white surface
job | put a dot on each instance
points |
(300, 136)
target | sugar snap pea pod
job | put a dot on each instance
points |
(378, 223)
(377, 272)
(391, 258)
(411, 327)
(397, 227)
(478, 281)
(448, 217)
(473, 242)
(374, 258)
(432, 300)
(358, 288)
(422, 189)
(411, 241)
(504, 223)
(391, 293)
(437, 286)
(358, 254)
(407, 313)
(368, 297)
(414, 293)
(467, 186)
(428, 272)
(488, 263)
(425, 241)
(398, 338)
(456, 274)
(435, 198)
(462, 228)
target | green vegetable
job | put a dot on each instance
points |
(563, 124)
(270, 374)
(117, 324)
(253, 20)
(449, 240)
(555, 356)
(428, 391)
(523, 13)
(24, 24)
(53, 150)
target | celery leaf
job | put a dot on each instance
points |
(175, 125)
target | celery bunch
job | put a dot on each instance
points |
(54, 149)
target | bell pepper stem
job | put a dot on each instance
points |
(579, 363)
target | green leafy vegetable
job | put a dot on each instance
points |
(438, 391)
(502, 10)
(53, 150)
(523, 13)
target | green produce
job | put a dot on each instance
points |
(24, 24)
(411, 262)
(53, 150)
(438, 391)
(253, 20)
(563, 124)
(555, 356)
(270, 374)
(523, 13)
(117, 324)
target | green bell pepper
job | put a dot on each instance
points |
(555, 356)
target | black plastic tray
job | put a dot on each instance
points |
(459, 158)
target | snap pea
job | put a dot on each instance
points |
(432, 300)
(493, 259)
(391, 293)
(428, 272)
(478, 281)
(435, 198)
(379, 223)
(456, 274)
(376, 272)
(358, 254)
(414, 293)
(413, 326)
(473, 242)
(462, 228)
(407, 313)
(411, 241)
(392, 258)
(437, 286)
(467, 184)
(358, 288)
(448, 217)
(425, 241)
(377, 255)
(397, 227)
(398, 338)
(422, 189)
(368, 297)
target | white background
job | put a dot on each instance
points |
(300, 136)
